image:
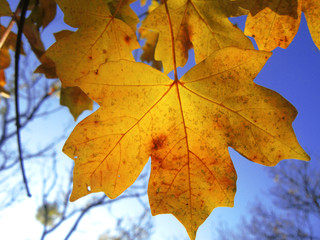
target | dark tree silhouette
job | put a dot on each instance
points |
(295, 213)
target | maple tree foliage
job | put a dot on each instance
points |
(184, 124)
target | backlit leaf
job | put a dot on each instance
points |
(275, 23)
(3, 92)
(185, 126)
(76, 100)
(149, 47)
(10, 43)
(33, 35)
(311, 9)
(203, 25)
(99, 39)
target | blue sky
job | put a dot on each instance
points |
(295, 74)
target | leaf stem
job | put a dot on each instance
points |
(25, 4)
(172, 43)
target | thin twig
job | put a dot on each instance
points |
(6, 33)
(8, 29)
(25, 4)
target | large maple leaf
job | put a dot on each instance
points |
(203, 25)
(185, 126)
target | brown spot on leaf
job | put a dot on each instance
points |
(158, 142)
(127, 39)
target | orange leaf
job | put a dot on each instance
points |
(10, 43)
(275, 23)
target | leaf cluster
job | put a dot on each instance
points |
(185, 124)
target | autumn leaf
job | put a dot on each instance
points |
(143, 2)
(32, 33)
(185, 126)
(121, 9)
(76, 101)
(100, 38)
(9, 44)
(43, 12)
(47, 66)
(275, 23)
(5, 8)
(149, 47)
(3, 92)
(311, 9)
(203, 25)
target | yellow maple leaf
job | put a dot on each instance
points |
(185, 126)
(275, 23)
(203, 25)
(100, 38)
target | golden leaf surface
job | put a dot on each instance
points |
(100, 38)
(311, 9)
(203, 25)
(275, 23)
(185, 126)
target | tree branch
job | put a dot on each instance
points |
(25, 4)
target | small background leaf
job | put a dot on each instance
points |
(5, 8)
(76, 100)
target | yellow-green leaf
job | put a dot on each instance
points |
(76, 100)
(185, 126)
